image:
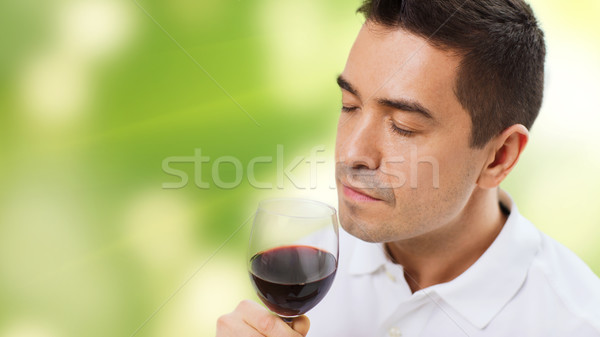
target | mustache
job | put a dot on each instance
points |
(373, 181)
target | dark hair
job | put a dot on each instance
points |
(500, 81)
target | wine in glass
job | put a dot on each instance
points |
(293, 254)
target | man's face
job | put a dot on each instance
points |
(404, 164)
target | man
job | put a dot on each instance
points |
(438, 97)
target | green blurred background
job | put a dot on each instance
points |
(95, 94)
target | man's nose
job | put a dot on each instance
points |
(361, 149)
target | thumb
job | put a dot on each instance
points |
(301, 325)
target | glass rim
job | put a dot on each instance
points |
(333, 211)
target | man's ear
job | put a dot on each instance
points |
(504, 152)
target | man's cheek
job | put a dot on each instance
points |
(394, 171)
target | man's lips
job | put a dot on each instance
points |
(357, 195)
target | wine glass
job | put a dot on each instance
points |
(293, 254)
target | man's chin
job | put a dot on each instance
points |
(374, 229)
(365, 231)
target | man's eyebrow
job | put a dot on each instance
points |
(399, 104)
(406, 105)
(347, 86)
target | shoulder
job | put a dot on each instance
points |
(570, 280)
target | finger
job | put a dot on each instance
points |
(301, 325)
(230, 326)
(263, 321)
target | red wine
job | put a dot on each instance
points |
(291, 280)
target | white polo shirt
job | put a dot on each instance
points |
(524, 285)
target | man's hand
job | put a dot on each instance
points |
(251, 320)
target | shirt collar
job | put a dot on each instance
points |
(366, 258)
(493, 280)
(489, 284)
